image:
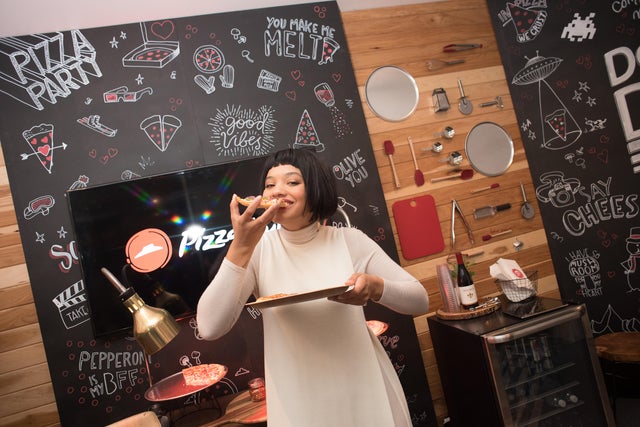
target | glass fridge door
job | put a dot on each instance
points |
(546, 372)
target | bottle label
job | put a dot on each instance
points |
(468, 295)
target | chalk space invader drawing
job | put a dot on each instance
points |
(580, 29)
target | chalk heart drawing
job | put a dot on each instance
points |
(603, 156)
(296, 74)
(291, 94)
(93, 153)
(44, 150)
(336, 77)
(163, 29)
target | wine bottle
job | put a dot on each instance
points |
(466, 289)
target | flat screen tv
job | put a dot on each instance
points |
(163, 235)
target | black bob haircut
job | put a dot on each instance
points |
(320, 184)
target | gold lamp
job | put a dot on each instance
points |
(153, 327)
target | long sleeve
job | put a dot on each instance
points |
(222, 302)
(402, 292)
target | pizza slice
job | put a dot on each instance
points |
(264, 204)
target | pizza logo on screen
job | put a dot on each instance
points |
(148, 250)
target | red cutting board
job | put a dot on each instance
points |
(418, 226)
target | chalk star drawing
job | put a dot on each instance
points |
(114, 43)
(577, 96)
(62, 233)
(591, 101)
(584, 87)
(139, 80)
(39, 237)
(123, 35)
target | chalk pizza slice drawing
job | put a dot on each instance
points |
(526, 19)
(306, 135)
(161, 129)
(208, 59)
(558, 122)
(40, 139)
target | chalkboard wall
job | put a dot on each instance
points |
(574, 73)
(94, 106)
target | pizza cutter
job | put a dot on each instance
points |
(526, 210)
(464, 105)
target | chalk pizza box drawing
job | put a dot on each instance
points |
(161, 129)
(154, 53)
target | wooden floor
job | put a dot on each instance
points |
(402, 36)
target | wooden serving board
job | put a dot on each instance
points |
(242, 410)
(466, 314)
(418, 226)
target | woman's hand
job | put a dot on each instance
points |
(247, 230)
(365, 287)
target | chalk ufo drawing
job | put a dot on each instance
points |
(553, 112)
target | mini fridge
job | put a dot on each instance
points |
(527, 364)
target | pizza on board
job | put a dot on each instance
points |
(274, 296)
(201, 375)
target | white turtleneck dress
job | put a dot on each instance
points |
(323, 366)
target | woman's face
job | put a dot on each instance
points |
(285, 182)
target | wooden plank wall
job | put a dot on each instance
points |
(402, 36)
(407, 37)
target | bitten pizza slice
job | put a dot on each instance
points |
(264, 204)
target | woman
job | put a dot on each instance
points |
(323, 367)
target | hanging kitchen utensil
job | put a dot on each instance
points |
(392, 93)
(464, 175)
(464, 105)
(486, 211)
(517, 244)
(389, 149)
(418, 176)
(454, 159)
(490, 236)
(456, 208)
(456, 47)
(436, 148)
(436, 64)
(440, 100)
(448, 132)
(526, 209)
(490, 187)
(489, 149)
(418, 227)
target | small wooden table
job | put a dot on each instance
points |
(615, 348)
